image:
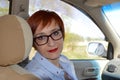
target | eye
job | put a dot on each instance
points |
(41, 38)
(56, 33)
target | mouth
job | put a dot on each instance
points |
(53, 50)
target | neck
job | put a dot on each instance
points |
(55, 62)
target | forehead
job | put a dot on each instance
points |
(47, 28)
(46, 23)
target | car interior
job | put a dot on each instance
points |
(16, 42)
(92, 36)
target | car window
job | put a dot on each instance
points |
(79, 28)
(112, 12)
(4, 7)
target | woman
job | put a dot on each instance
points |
(48, 63)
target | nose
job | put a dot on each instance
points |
(51, 42)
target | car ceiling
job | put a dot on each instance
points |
(93, 3)
(90, 6)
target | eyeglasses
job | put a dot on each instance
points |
(43, 39)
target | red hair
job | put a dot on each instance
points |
(45, 17)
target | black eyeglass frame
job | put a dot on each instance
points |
(34, 39)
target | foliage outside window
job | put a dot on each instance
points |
(4, 7)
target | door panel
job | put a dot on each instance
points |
(89, 69)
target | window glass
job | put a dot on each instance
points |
(79, 28)
(4, 7)
(112, 12)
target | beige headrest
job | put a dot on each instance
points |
(15, 39)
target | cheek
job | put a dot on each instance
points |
(60, 45)
(40, 49)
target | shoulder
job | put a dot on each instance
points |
(62, 57)
(65, 60)
(32, 62)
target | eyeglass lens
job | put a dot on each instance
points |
(43, 39)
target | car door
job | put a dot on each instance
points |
(112, 68)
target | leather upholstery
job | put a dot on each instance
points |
(15, 45)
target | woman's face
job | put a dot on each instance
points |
(53, 48)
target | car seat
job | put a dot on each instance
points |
(15, 45)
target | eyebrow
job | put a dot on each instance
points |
(42, 33)
(54, 30)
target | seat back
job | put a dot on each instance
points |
(15, 45)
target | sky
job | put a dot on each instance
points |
(113, 14)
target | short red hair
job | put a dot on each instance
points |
(45, 17)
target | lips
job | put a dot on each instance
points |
(53, 50)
